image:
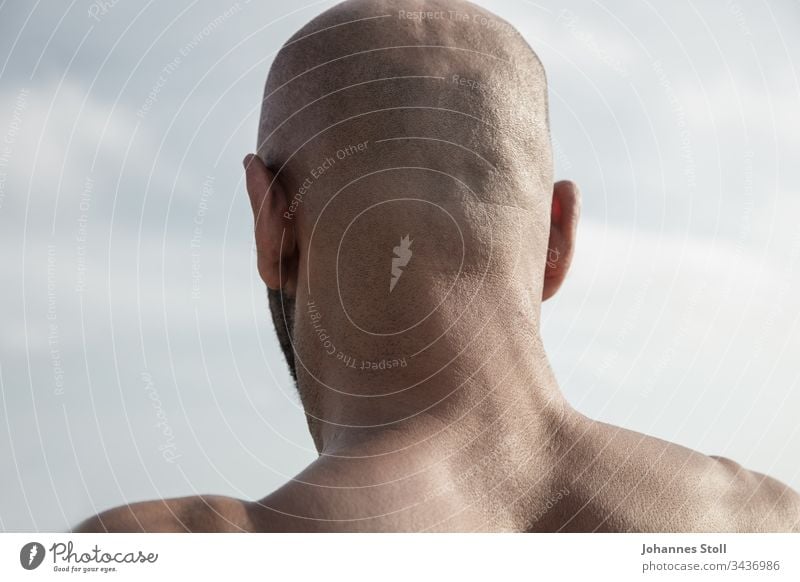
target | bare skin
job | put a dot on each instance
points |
(626, 482)
(475, 435)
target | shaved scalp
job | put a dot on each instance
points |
(382, 119)
(372, 68)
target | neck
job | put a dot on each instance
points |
(477, 377)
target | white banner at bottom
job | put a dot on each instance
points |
(400, 557)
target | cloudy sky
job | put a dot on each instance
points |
(136, 355)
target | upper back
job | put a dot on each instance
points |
(601, 478)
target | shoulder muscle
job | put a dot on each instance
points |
(207, 513)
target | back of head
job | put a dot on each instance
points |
(410, 140)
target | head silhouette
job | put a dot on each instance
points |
(384, 122)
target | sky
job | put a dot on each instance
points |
(137, 358)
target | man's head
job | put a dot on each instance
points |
(403, 179)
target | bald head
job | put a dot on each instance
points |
(418, 127)
(447, 71)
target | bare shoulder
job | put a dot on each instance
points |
(204, 513)
(762, 501)
(636, 482)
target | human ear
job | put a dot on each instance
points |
(276, 243)
(563, 228)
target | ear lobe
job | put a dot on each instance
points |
(274, 232)
(563, 228)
